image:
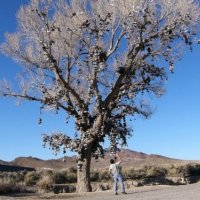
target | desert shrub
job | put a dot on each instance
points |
(178, 170)
(104, 175)
(191, 170)
(17, 177)
(140, 173)
(13, 177)
(184, 170)
(64, 177)
(194, 170)
(31, 178)
(172, 171)
(64, 189)
(71, 177)
(146, 171)
(155, 171)
(5, 176)
(7, 186)
(59, 177)
(129, 173)
(45, 183)
(72, 170)
(94, 176)
(47, 173)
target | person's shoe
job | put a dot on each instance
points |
(124, 193)
(116, 193)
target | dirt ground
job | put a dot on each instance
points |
(185, 192)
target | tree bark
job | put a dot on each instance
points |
(83, 174)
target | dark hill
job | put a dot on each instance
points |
(10, 168)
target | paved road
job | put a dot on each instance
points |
(186, 192)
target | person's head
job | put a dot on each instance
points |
(112, 161)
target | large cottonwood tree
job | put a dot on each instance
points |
(97, 60)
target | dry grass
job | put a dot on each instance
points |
(45, 183)
(7, 186)
(44, 180)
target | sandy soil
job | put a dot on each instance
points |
(186, 192)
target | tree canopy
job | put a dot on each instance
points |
(97, 60)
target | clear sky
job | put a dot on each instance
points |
(173, 130)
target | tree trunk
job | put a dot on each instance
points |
(83, 174)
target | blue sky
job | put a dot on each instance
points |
(173, 130)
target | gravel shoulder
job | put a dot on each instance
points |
(185, 192)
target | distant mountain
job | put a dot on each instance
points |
(129, 159)
(136, 159)
(37, 163)
(4, 162)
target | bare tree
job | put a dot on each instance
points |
(97, 60)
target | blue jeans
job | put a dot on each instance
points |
(119, 178)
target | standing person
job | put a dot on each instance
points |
(117, 176)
